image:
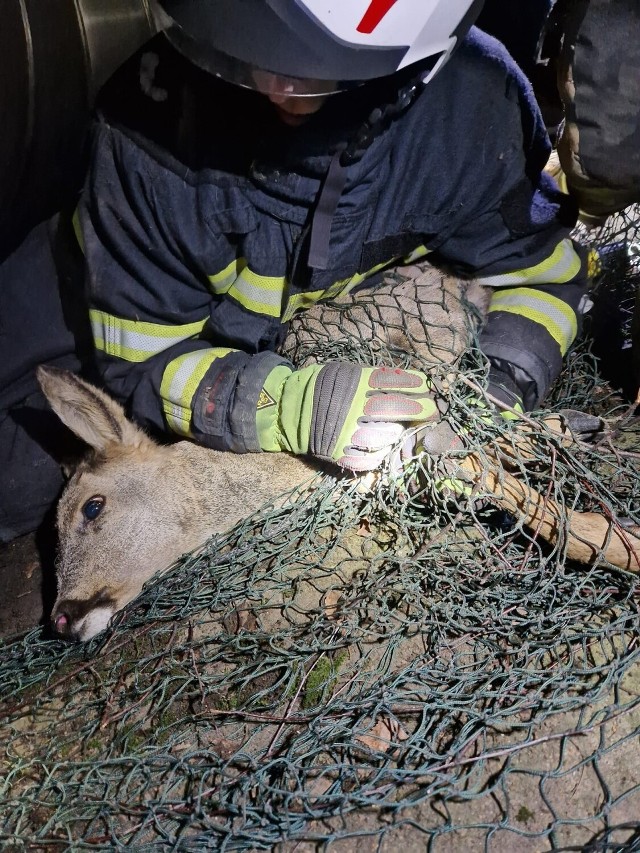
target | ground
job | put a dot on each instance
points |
(27, 579)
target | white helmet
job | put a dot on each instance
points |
(334, 43)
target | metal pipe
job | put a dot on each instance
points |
(54, 57)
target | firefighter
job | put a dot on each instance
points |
(261, 156)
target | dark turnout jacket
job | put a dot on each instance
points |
(196, 216)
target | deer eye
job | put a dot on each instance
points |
(93, 507)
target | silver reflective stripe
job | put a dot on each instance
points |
(180, 381)
(261, 294)
(302, 301)
(548, 311)
(264, 294)
(134, 340)
(222, 281)
(560, 267)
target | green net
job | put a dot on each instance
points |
(363, 668)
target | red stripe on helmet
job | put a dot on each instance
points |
(374, 14)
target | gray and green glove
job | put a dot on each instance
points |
(341, 412)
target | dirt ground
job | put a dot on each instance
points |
(27, 582)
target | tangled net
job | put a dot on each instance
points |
(379, 668)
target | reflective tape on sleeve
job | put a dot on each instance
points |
(261, 294)
(416, 255)
(270, 295)
(562, 265)
(302, 301)
(221, 281)
(135, 340)
(548, 311)
(77, 229)
(180, 381)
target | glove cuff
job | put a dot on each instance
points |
(224, 406)
(285, 409)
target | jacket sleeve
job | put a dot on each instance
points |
(517, 239)
(540, 283)
(531, 325)
(151, 260)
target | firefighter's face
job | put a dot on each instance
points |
(294, 99)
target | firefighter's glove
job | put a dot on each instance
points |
(438, 440)
(343, 413)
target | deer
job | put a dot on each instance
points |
(133, 506)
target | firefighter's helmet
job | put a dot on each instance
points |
(316, 46)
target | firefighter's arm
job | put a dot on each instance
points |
(521, 248)
(534, 316)
(177, 344)
(513, 234)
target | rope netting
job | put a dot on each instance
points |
(365, 665)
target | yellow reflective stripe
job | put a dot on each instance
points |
(418, 253)
(264, 294)
(77, 228)
(550, 312)
(347, 284)
(222, 281)
(302, 301)
(134, 340)
(560, 267)
(512, 416)
(594, 264)
(261, 294)
(180, 381)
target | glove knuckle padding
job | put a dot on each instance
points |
(394, 378)
(376, 436)
(395, 406)
(334, 393)
(360, 461)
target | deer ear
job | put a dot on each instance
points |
(88, 412)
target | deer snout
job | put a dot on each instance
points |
(61, 624)
(76, 619)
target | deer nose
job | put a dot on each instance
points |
(62, 624)
(72, 617)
